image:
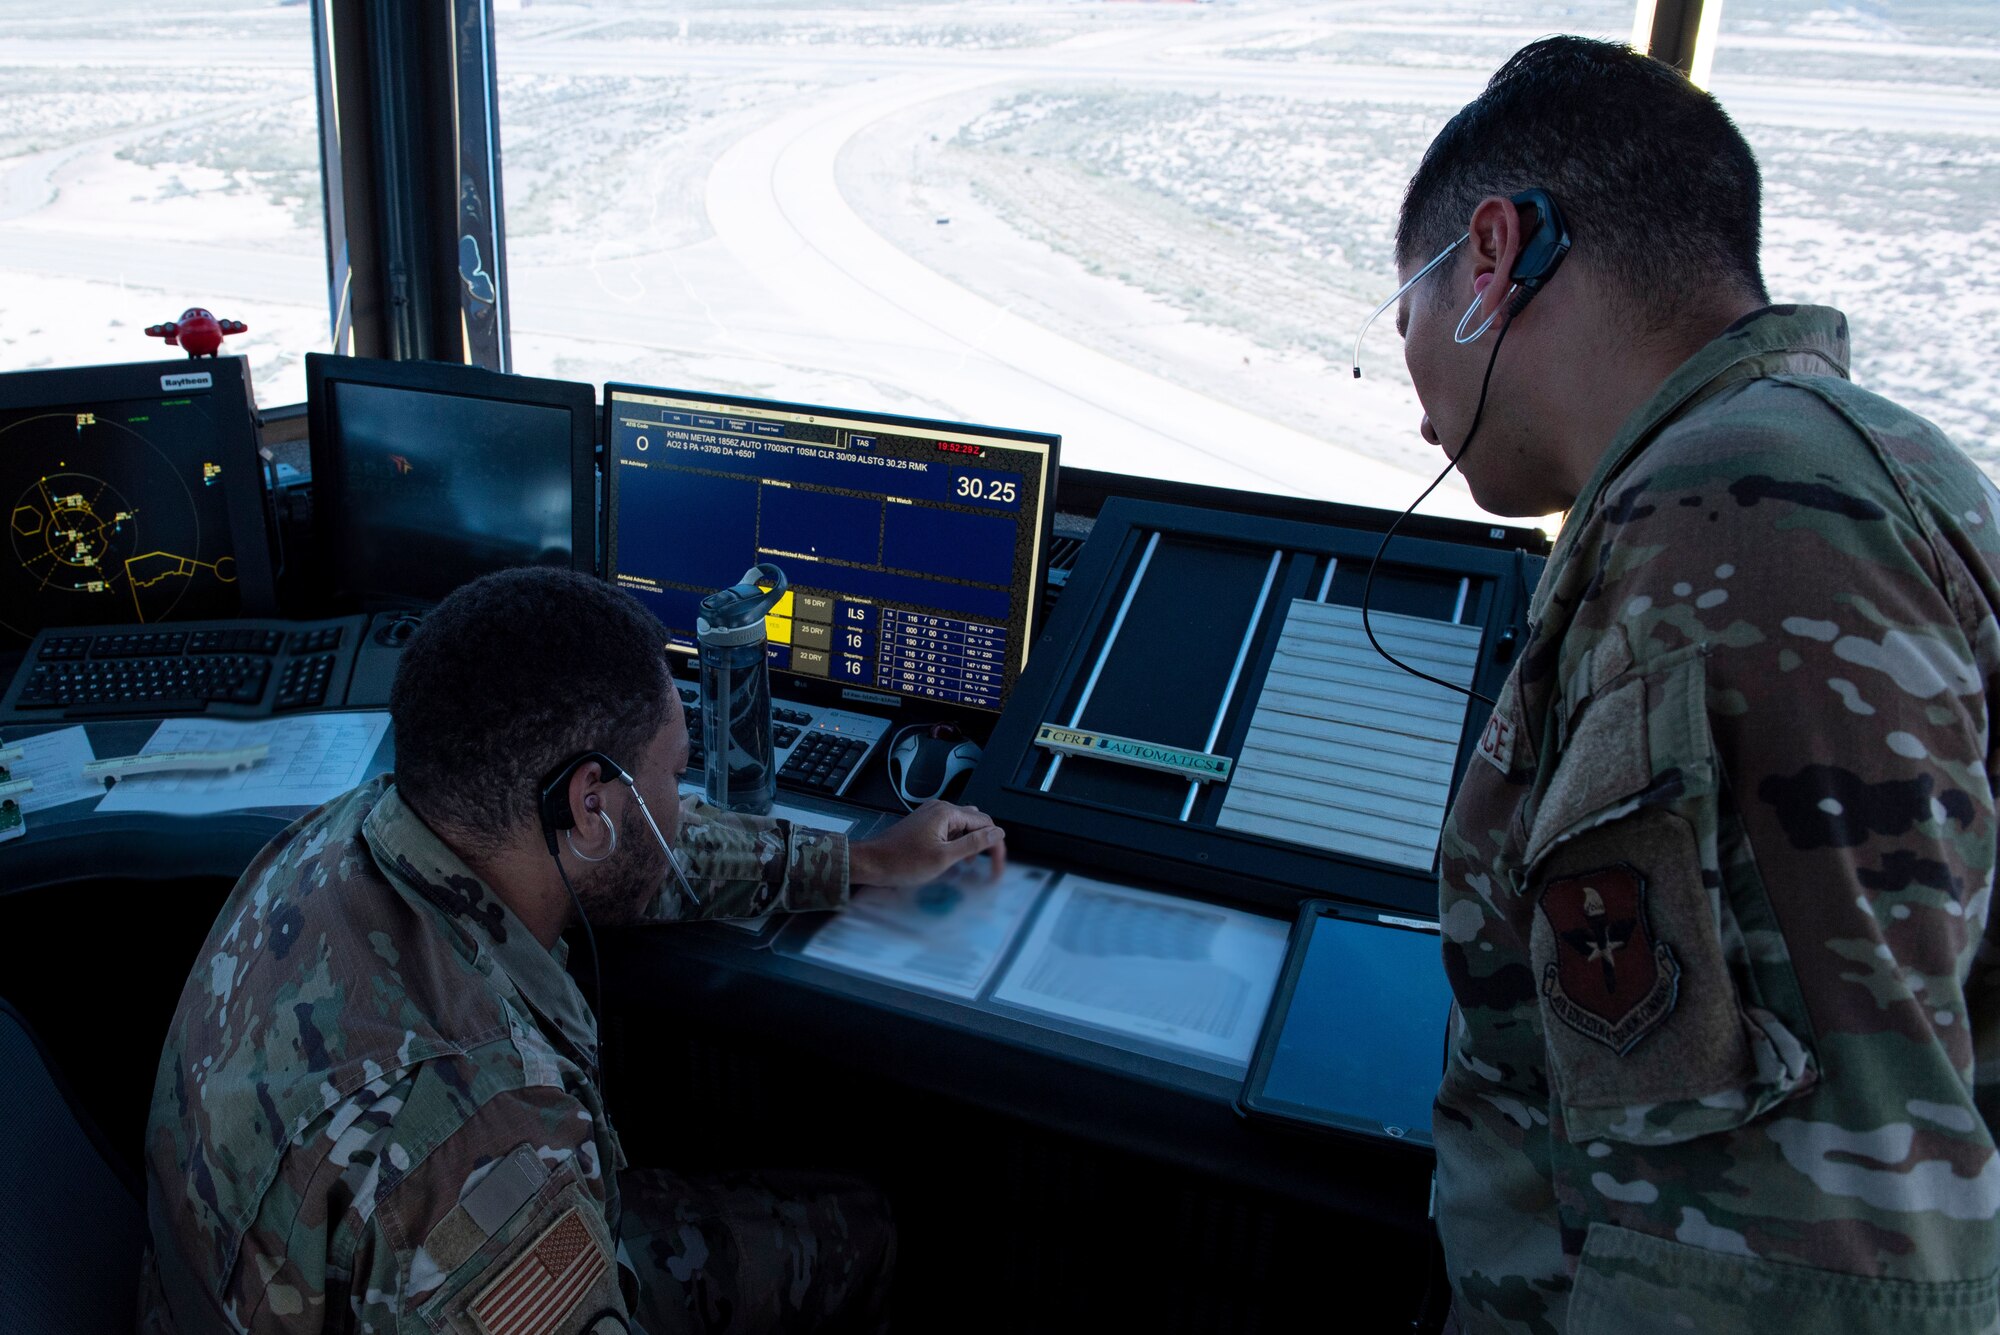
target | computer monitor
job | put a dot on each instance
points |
(427, 475)
(133, 495)
(914, 549)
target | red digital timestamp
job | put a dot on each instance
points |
(955, 447)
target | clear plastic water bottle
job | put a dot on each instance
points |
(740, 772)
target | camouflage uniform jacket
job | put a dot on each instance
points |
(378, 1095)
(1726, 1049)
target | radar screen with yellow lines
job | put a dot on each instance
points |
(132, 495)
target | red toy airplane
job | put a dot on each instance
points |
(197, 331)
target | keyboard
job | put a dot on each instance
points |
(816, 748)
(232, 669)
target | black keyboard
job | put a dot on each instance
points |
(240, 669)
(154, 683)
(824, 760)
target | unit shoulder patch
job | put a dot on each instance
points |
(1609, 981)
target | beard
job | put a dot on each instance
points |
(617, 891)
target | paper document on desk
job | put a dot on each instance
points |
(1346, 751)
(945, 937)
(54, 761)
(314, 758)
(1168, 970)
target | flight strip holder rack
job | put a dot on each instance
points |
(1205, 710)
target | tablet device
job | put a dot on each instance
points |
(1354, 1041)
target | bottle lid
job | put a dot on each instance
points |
(735, 615)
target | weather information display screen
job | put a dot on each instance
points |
(125, 509)
(913, 548)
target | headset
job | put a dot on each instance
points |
(553, 804)
(554, 793)
(1541, 255)
(941, 751)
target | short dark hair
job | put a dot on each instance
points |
(1655, 181)
(509, 677)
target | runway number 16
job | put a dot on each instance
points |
(979, 489)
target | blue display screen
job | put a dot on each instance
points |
(912, 549)
(1363, 1037)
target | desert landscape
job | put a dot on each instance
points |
(1153, 228)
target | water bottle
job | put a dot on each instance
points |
(740, 772)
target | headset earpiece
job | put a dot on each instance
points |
(554, 800)
(1543, 251)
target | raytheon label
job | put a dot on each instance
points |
(187, 380)
(1200, 766)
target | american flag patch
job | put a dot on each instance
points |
(544, 1283)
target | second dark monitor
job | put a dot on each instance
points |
(430, 474)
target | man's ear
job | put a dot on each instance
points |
(586, 798)
(1496, 241)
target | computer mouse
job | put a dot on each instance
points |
(396, 632)
(931, 760)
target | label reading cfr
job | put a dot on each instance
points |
(1199, 766)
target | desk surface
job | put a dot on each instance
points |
(76, 842)
(1174, 1111)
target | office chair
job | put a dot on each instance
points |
(71, 1218)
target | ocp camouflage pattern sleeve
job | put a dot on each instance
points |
(501, 1226)
(360, 1120)
(1715, 900)
(435, 1201)
(743, 866)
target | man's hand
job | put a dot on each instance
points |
(924, 845)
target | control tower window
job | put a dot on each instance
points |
(1154, 228)
(1150, 228)
(152, 161)
(1875, 124)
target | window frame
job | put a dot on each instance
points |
(410, 175)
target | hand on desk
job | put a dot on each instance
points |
(925, 845)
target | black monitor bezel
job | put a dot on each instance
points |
(236, 445)
(455, 380)
(819, 687)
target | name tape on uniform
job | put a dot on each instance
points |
(1200, 766)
